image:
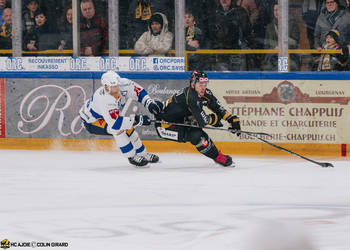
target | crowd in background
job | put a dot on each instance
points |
(147, 27)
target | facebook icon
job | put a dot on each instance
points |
(155, 60)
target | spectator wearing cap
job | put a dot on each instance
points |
(157, 40)
(333, 62)
(93, 30)
(333, 16)
(28, 16)
(41, 28)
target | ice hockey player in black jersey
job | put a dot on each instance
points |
(187, 107)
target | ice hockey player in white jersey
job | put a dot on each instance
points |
(103, 114)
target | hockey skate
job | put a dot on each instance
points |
(152, 158)
(224, 160)
(138, 160)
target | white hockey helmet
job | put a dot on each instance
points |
(110, 78)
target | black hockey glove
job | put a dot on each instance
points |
(214, 120)
(142, 120)
(235, 123)
(154, 107)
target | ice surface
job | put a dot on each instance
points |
(96, 200)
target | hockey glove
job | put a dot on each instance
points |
(142, 120)
(154, 107)
(235, 123)
(214, 120)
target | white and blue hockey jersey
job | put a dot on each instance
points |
(103, 105)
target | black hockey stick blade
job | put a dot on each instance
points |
(326, 164)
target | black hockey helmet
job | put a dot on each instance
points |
(198, 76)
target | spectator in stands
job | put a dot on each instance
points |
(193, 40)
(333, 16)
(39, 34)
(101, 6)
(3, 5)
(54, 10)
(93, 30)
(65, 27)
(124, 39)
(157, 40)
(140, 11)
(265, 16)
(251, 7)
(28, 16)
(230, 28)
(333, 62)
(311, 9)
(6, 30)
(202, 10)
(271, 42)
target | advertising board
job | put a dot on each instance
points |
(97, 64)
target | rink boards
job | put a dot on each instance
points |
(306, 112)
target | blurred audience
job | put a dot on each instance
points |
(157, 40)
(6, 30)
(65, 29)
(147, 25)
(123, 25)
(265, 16)
(230, 28)
(271, 42)
(193, 40)
(93, 30)
(252, 9)
(311, 9)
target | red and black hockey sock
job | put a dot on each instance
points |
(207, 147)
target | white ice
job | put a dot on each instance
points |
(96, 200)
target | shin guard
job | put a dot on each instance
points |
(137, 143)
(125, 145)
(207, 147)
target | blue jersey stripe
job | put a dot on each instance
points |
(118, 123)
(140, 149)
(142, 94)
(95, 114)
(127, 148)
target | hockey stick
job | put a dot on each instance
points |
(252, 134)
(126, 106)
(322, 164)
(212, 128)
